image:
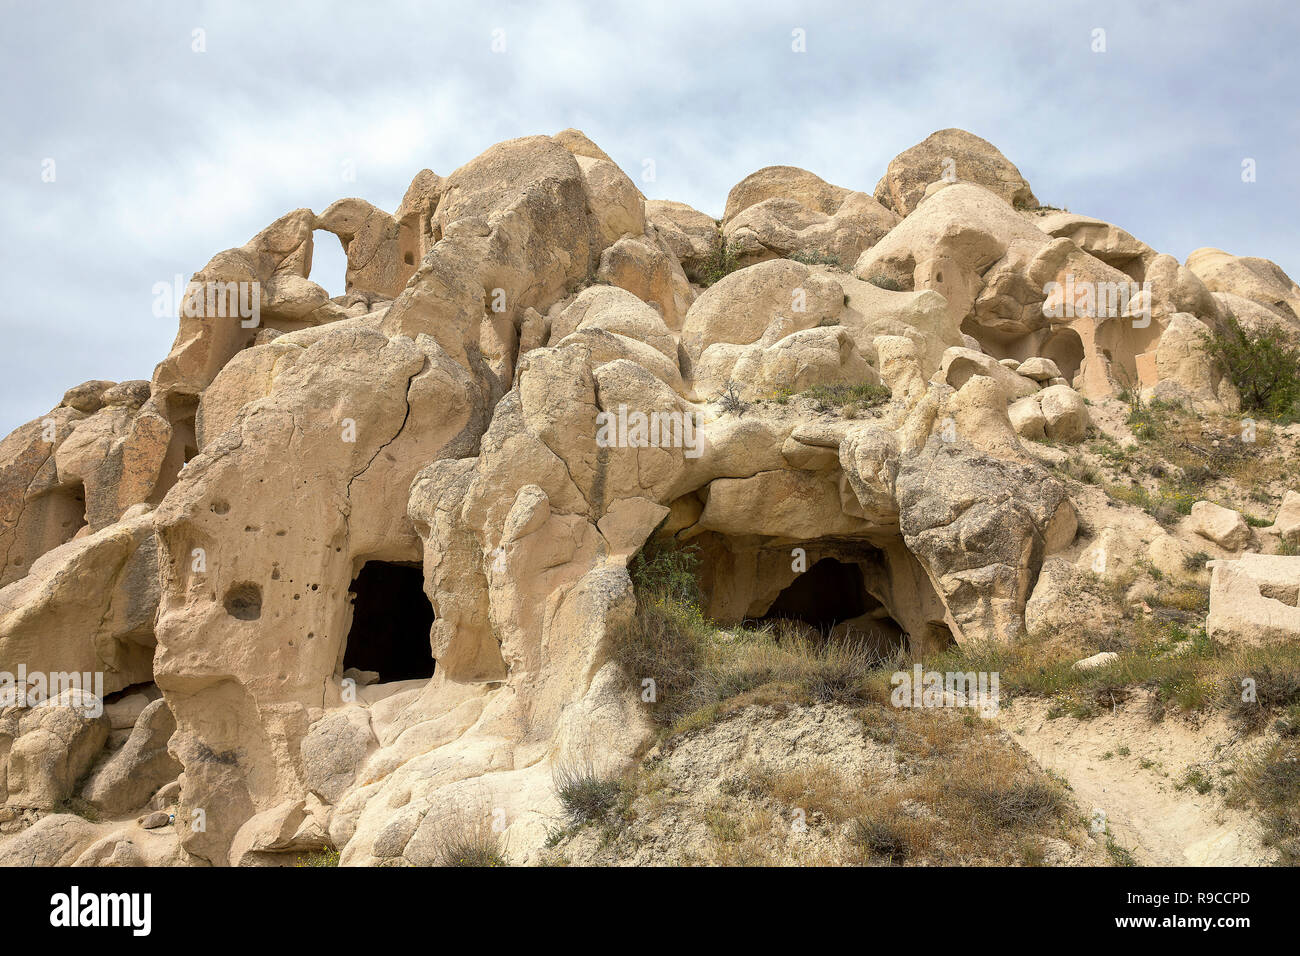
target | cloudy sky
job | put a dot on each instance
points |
(164, 155)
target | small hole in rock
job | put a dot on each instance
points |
(244, 601)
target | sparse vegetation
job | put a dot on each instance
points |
(466, 837)
(700, 671)
(729, 399)
(817, 258)
(81, 808)
(586, 796)
(1269, 783)
(888, 283)
(324, 857)
(853, 398)
(1263, 364)
(880, 837)
(722, 262)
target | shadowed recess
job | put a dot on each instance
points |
(391, 617)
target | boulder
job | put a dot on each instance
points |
(56, 743)
(782, 211)
(1287, 523)
(1095, 661)
(690, 235)
(981, 527)
(54, 840)
(956, 154)
(1225, 527)
(1254, 600)
(1259, 280)
(1065, 413)
(740, 308)
(1038, 368)
(334, 750)
(135, 772)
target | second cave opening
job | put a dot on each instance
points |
(391, 617)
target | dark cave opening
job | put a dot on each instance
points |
(831, 598)
(827, 594)
(391, 616)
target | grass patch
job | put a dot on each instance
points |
(700, 671)
(586, 796)
(323, 857)
(1269, 783)
(81, 808)
(850, 399)
(883, 838)
(466, 838)
(888, 283)
(817, 258)
(1271, 689)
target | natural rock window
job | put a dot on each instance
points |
(391, 617)
(329, 262)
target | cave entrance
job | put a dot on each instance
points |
(1065, 348)
(831, 598)
(391, 616)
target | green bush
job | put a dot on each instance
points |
(1264, 365)
(721, 263)
(668, 571)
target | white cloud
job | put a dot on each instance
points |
(166, 156)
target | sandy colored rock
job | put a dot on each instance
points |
(1254, 600)
(55, 744)
(954, 154)
(1259, 280)
(1287, 523)
(377, 552)
(770, 290)
(1225, 527)
(135, 772)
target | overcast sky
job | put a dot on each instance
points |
(163, 156)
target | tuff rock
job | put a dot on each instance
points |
(363, 562)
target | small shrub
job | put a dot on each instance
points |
(1017, 804)
(879, 837)
(465, 837)
(1270, 782)
(1195, 779)
(665, 569)
(729, 399)
(323, 857)
(81, 808)
(1274, 690)
(586, 796)
(1264, 365)
(721, 263)
(1118, 855)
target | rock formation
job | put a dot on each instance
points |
(367, 552)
